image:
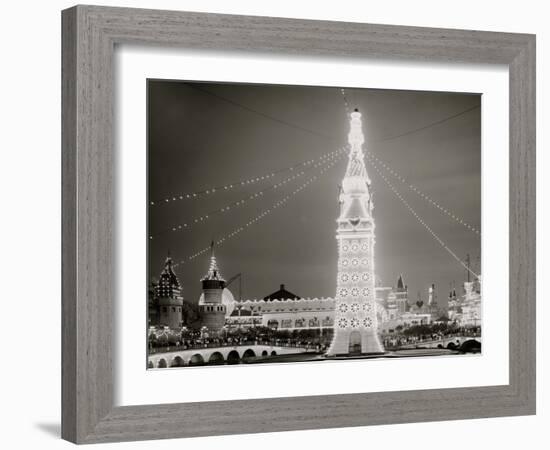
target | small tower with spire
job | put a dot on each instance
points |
(169, 298)
(453, 307)
(212, 309)
(433, 306)
(402, 295)
(432, 299)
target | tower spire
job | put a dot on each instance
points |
(213, 270)
(355, 196)
(169, 285)
(400, 283)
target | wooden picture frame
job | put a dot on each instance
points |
(90, 34)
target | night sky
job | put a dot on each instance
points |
(203, 135)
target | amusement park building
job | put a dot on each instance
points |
(284, 310)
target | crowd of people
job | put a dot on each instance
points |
(163, 339)
(405, 336)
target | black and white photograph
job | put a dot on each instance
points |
(276, 225)
(307, 224)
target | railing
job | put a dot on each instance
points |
(404, 342)
(207, 345)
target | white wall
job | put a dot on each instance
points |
(30, 225)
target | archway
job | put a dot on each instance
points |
(196, 360)
(264, 353)
(248, 355)
(150, 365)
(233, 357)
(177, 362)
(216, 358)
(354, 342)
(273, 353)
(162, 364)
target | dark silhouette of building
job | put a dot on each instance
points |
(282, 294)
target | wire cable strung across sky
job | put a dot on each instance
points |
(422, 222)
(278, 204)
(413, 188)
(317, 134)
(260, 113)
(416, 130)
(268, 175)
(247, 181)
(324, 136)
(235, 204)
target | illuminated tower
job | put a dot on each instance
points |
(212, 309)
(355, 325)
(169, 299)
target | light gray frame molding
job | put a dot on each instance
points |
(89, 36)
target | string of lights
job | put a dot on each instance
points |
(346, 103)
(426, 197)
(238, 203)
(275, 206)
(422, 222)
(245, 182)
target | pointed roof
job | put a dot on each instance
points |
(213, 270)
(168, 285)
(400, 283)
(282, 294)
(355, 191)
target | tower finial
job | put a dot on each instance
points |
(168, 261)
(213, 270)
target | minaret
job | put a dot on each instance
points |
(212, 309)
(355, 325)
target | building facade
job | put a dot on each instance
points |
(465, 310)
(284, 310)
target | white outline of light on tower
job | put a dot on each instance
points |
(355, 306)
